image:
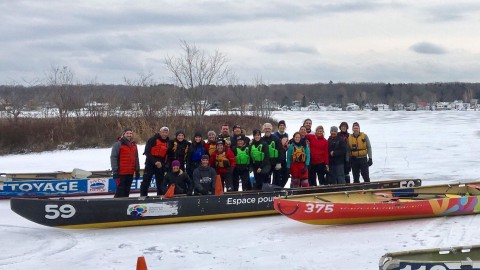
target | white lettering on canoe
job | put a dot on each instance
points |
(240, 201)
(43, 187)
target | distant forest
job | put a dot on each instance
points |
(153, 98)
(73, 116)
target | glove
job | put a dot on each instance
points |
(370, 162)
(137, 175)
(304, 170)
(278, 166)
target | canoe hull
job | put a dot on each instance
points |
(100, 213)
(329, 213)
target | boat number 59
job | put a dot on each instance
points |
(319, 207)
(64, 211)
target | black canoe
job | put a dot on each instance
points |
(134, 211)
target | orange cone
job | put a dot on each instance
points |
(170, 192)
(141, 264)
(218, 186)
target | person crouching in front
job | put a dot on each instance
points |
(183, 183)
(204, 177)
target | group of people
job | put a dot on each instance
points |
(273, 158)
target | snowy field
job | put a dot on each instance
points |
(438, 147)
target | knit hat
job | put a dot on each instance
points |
(236, 126)
(127, 129)
(257, 131)
(240, 137)
(205, 157)
(356, 124)
(197, 134)
(179, 132)
(282, 122)
(334, 129)
(222, 142)
(175, 163)
(164, 129)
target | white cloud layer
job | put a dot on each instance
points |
(282, 41)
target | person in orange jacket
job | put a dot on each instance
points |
(223, 160)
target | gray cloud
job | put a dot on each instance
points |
(282, 48)
(427, 48)
(458, 11)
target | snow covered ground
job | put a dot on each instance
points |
(437, 147)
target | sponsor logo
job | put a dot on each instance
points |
(153, 209)
(97, 185)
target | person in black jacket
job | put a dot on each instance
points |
(204, 178)
(276, 154)
(183, 183)
(336, 150)
(155, 161)
(178, 149)
(260, 159)
(344, 135)
(195, 153)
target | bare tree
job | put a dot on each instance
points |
(14, 100)
(194, 71)
(61, 80)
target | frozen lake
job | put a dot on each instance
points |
(437, 147)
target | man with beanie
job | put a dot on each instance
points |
(283, 136)
(260, 158)
(204, 178)
(359, 148)
(124, 161)
(336, 149)
(156, 161)
(276, 153)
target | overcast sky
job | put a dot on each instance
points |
(279, 41)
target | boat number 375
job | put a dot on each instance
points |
(63, 211)
(318, 207)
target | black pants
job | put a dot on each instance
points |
(346, 170)
(149, 172)
(242, 175)
(277, 175)
(123, 188)
(315, 170)
(227, 179)
(360, 166)
(260, 178)
(282, 178)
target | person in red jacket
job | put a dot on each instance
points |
(125, 163)
(223, 160)
(318, 157)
